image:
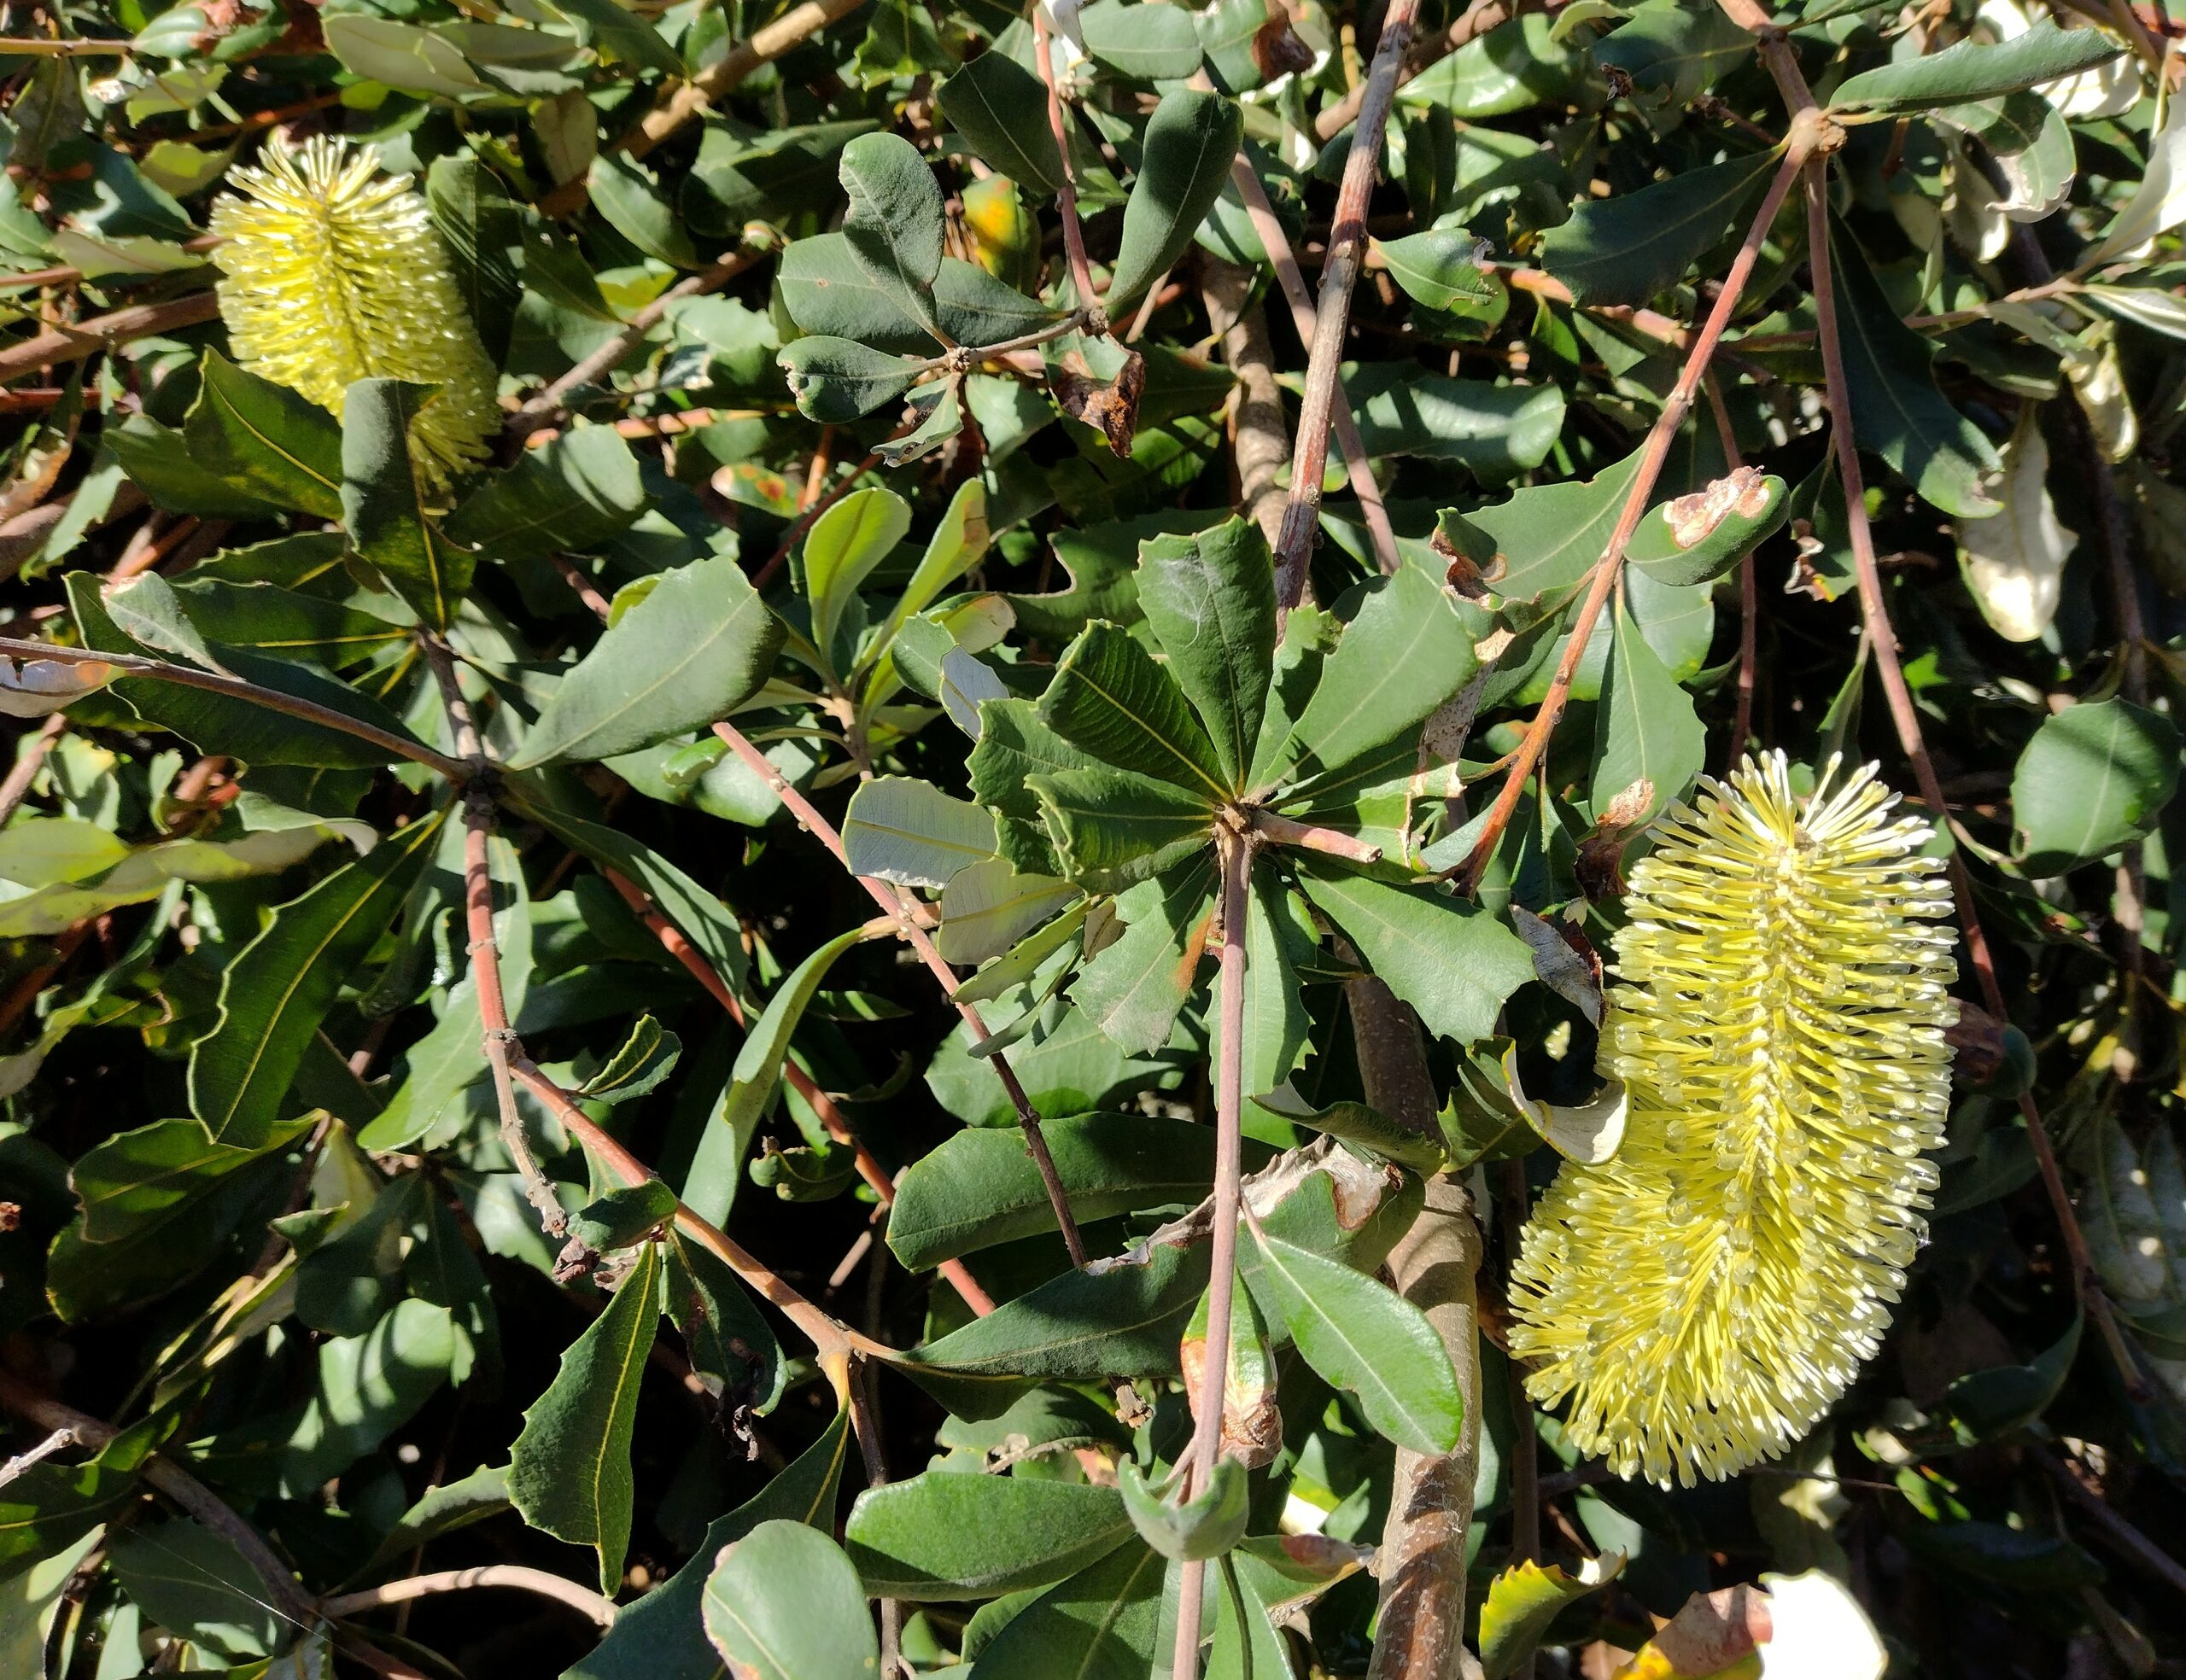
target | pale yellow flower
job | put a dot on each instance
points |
(1704, 1297)
(333, 273)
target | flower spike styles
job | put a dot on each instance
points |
(1703, 1299)
(332, 273)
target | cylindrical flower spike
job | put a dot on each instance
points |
(1703, 1298)
(333, 273)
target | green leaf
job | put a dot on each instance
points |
(908, 832)
(1190, 139)
(2005, 1399)
(783, 1603)
(837, 380)
(238, 728)
(1113, 828)
(2031, 143)
(1073, 1070)
(1209, 599)
(1452, 962)
(618, 1218)
(826, 292)
(631, 201)
(1696, 539)
(732, 1350)
(1132, 988)
(1646, 728)
(693, 651)
(1279, 942)
(265, 439)
(1632, 246)
(400, 55)
(483, 231)
(1363, 1338)
(1672, 53)
(759, 1062)
(895, 222)
(1109, 698)
(1403, 653)
(368, 1388)
(2094, 778)
(1013, 745)
(662, 1635)
(1492, 430)
(569, 495)
(842, 548)
(957, 545)
(979, 1188)
(989, 906)
(1001, 109)
(1206, 1526)
(159, 1201)
(1524, 1598)
(1439, 268)
(570, 1469)
(943, 1536)
(195, 1583)
(647, 1057)
(279, 987)
(1146, 43)
(1548, 536)
(625, 34)
(1104, 1623)
(1973, 70)
(1897, 412)
(383, 501)
(1512, 68)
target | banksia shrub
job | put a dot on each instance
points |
(333, 273)
(1705, 1296)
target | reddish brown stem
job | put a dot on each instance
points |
(1282, 831)
(102, 332)
(891, 899)
(1073, 231)
(2086, 1284)
(1608, 569)
(25, 768)
(1332, 317)
(1199, 1461)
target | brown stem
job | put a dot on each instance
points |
(2123, 1538)
(1610, 566)
(1073, 231)
(1303, 320)
(1282, 831)
(543, 409)
(2086, 1286)
(1260, 442)
(582, 1599)
(1474, 21)
(283, 1596)
(1199, 1460)
(102, 332)
(25, 768)
(188, 676)
(1339, 274)
(891, 899)
(691, 99)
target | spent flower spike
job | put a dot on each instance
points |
(1704, 1297)
(332, 273)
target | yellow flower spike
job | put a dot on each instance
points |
(1703, 1298)
(333, 273)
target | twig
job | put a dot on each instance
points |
(1656, 449)
(1198, 1462)
(889, 898)
(34, 47)
(2125, 1539)
(1304, 319)
(582, 1599)
(1347, 245)
(102, 332)
(30, 756)
(24, 993)
(66, 275)
(188, 676)
(283, 1596)
(59, 1441)
(1283, 831)
(1749, 586)
(690, 99)
(1260, 442)
(546, 406)
(2086, 1284)
(1074, 230)
(499, 1039)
